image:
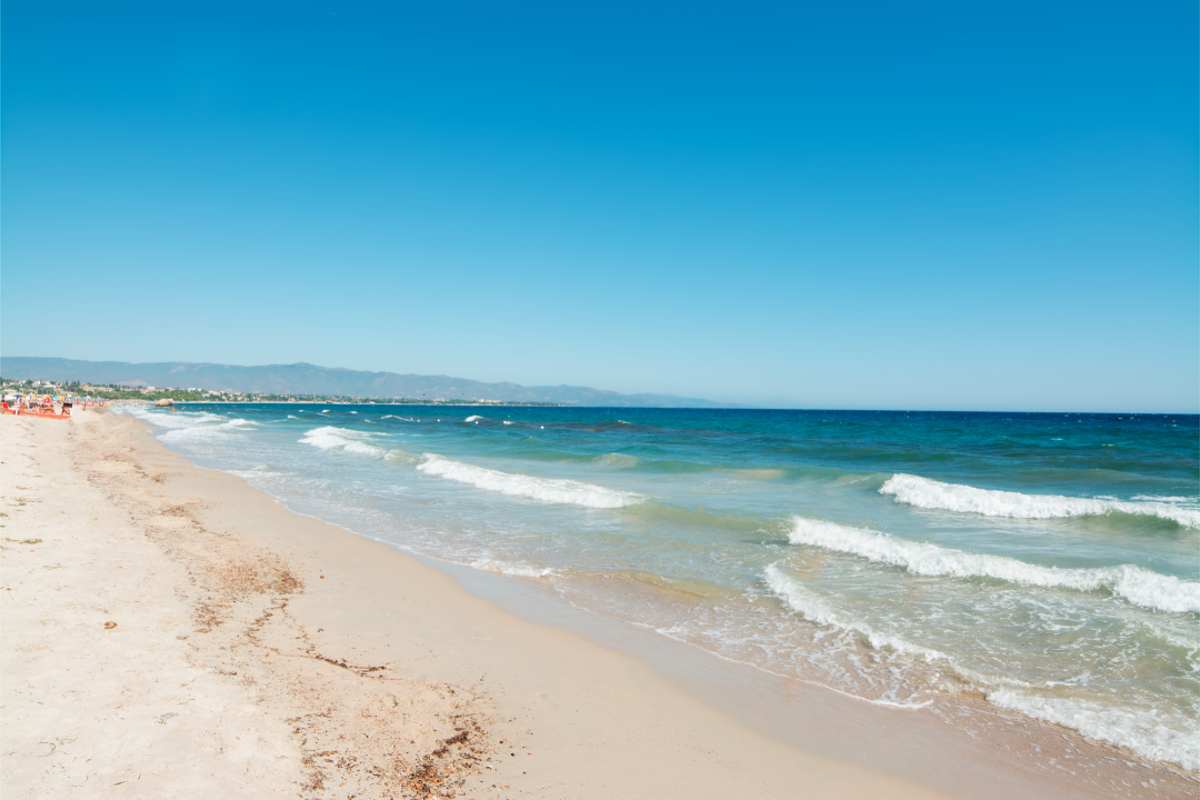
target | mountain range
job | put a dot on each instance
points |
(310, 379)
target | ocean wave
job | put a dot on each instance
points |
(328, 437)
(814, 608)
(402, 455)
(544, 490)
(1146, 733)
(208, 428)
(1172, 499)
(1143, 732)
(474, 418)
(172, 419)
(1136, 585)
(926, 493)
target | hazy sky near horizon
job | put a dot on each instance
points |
(881, 205)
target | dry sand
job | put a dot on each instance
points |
(171, 632)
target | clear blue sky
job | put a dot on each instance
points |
(933, 205)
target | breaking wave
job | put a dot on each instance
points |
(544, 490)
(814, 608)
(1134, 584)
(926, 493)
(328, 437)
(1144, 733)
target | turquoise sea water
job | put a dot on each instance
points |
(1050, 562)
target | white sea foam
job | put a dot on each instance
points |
(544, 490)
(814, 608)
(1143, 732)
(400, 454)
(1134, 584)
(926, 493)
(328, 437)
(258, 471)
(171, 419)
(515, 569)
(475, 418)
(185, 426)
(1161, 498)
(507, 422)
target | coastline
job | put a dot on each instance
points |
(327, 663)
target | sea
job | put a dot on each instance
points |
(1047, 563)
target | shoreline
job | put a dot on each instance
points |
(301, 611)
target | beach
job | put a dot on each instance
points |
(173, 631)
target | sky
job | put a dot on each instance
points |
(847, 205)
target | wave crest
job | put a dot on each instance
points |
(1144, 733)
(1136, 585)
(544, 490)
(926, 493)
(813, 607)
(328, 437)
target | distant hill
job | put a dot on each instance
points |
(296, 379)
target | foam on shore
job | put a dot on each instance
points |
(1144, 733)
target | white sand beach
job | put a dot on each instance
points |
(172, 632)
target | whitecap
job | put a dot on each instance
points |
(328, 437)
(926, 493)
(1134, 584)
(544, 490)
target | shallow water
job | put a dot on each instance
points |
(1048, 561)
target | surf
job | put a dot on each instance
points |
(1133, 584)
(329, 437)
(926, 493)
(515, 484)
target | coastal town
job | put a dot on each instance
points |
(95, 392)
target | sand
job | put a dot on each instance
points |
(171, 632)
